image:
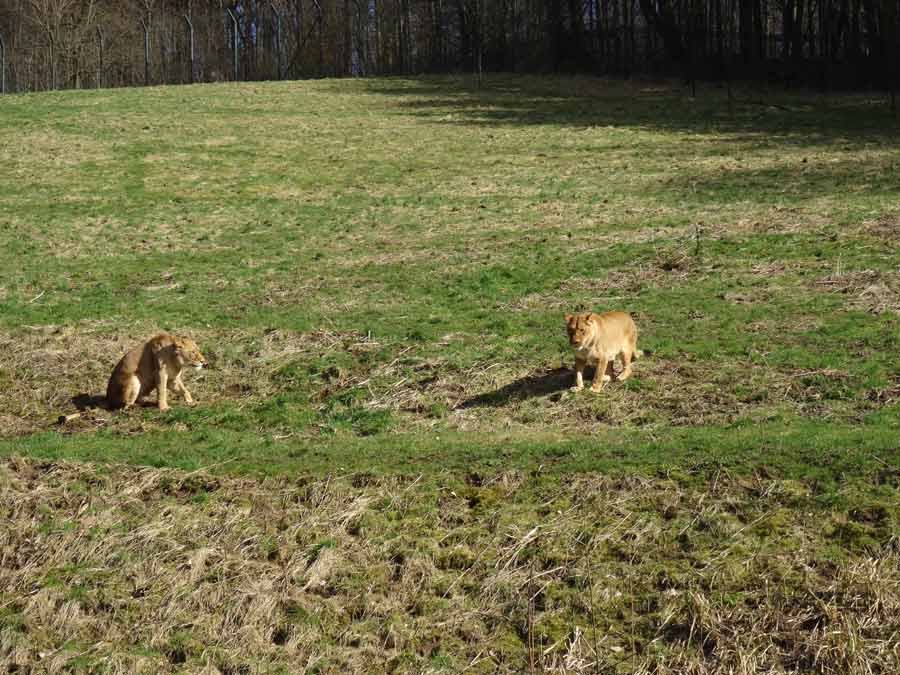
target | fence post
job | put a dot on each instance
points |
(257, 34)
(146, 26)
(99, 58)
(52, 80)
(190, 26)
(479, 54)
(2, 65)
(234, 43)
(277, 39)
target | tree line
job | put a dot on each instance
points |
(51, 44)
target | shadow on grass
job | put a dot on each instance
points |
(755, 116)
(543, 383)
(87, 401)
(788, 183)
(758, 124)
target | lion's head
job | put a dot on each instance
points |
(188, 353)
(578, 327)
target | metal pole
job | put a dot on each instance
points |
(277, 38)
(234, 43)
(146, 28)
(2, 65)
(257, 24)
(52, 65)
(190, 26)
(480, 9)
(100, 58)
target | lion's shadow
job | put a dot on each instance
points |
(90, 401)
(543, 383)
(87, 401)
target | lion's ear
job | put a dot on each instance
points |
(569, 318)
(155, 346)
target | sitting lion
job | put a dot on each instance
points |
(599, 338)
(156, 364)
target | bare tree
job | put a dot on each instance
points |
(53, 43)
(145, 18)
(65, 25)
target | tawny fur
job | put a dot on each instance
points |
(599, 339)
(156, 364)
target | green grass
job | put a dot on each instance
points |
(378, 270)
(386, 471)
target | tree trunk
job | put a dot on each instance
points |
(661, 18)
(556, 33)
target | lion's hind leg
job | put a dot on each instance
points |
(131, 390)
(610, 373)
(627, 360)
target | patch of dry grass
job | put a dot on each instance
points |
(123, 569)
(886, 227)
(869, 290)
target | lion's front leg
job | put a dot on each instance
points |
(179, 387)
(579, 374)
(162, 382)
(600, 376)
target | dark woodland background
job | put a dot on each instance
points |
(49, 44)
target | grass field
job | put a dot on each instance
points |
(386, 469)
